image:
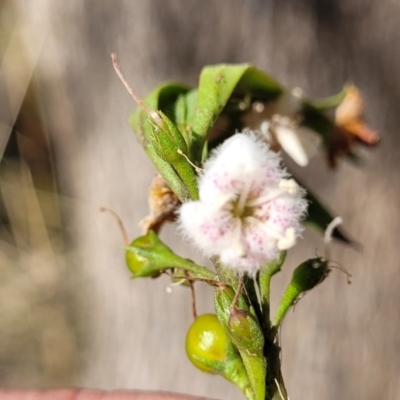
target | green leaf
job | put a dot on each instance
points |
(147, 255)
(162, 98)
(316, 120)
(216, 86)
(185, 113)
(330, 102)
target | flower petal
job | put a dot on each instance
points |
(299, 143)
(209, 228)
(238, 161)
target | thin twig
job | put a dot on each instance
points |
(135, 97)
(193, 295)
(153, 114)
(121, 225)
(237, 294)
(190, 278)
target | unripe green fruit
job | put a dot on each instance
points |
(206, 343)
(210, 349)
(135, 261)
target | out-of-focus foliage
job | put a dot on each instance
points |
(37, 341)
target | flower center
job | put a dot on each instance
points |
(240, 207)
(242, 212)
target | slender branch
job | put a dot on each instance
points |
(237, 294)
(135, 97)
(153, 114)
(193, 297)
(121, 225)
(253, 298)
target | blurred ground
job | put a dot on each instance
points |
(69, 314)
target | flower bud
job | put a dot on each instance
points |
(169, 144)
(223, 302)
(305, 277)
(166, 138)
(246, 332)
(309, 274)
(243, 328)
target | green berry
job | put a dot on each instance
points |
(206, 343)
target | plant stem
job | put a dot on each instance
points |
(253, 299)
(275, 386)
(197, 270)
(265, 277)
(226, 275)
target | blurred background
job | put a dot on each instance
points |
(69, 312)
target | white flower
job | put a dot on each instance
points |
(249, 211)
(278, 122)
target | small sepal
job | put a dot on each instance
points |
(166, 138)
(170, 146)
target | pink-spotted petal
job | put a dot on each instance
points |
(209, 228)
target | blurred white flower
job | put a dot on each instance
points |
(249, 211)
(278, 122)
(299, 142)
